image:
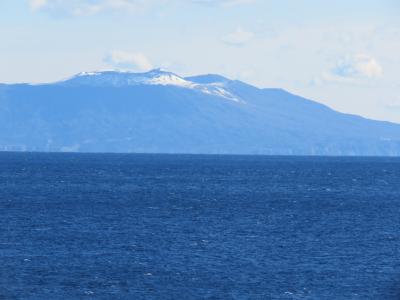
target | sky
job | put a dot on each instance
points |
(345, 54)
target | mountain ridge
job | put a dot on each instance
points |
(162, 112)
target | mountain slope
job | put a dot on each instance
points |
(162, 112)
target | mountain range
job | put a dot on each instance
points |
(161, 112)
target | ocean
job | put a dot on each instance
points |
(127, 226)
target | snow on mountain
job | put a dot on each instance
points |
(161, 112)
(153, 77)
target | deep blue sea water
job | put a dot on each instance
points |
(103, 226)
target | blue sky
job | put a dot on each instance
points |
(345, 54)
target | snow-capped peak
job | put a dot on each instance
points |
(126, 78)
(161, 77)
(154, 77)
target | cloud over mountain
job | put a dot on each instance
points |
(128, 60)
(238, 37)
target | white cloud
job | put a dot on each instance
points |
(238, 38)
(91, 7)
(237, 2)
(226, 3)
(353, 69)
(128, 60)
(37, 4)
(359, 65)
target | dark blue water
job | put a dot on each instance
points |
(198, 227)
